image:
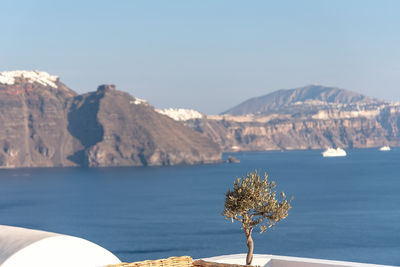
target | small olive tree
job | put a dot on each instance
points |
(253, 202)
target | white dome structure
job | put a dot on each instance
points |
(26, 247)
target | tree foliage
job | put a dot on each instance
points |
(254, 202)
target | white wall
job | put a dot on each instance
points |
(26, 247)
(283, 261)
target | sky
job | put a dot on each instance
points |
(208, 55)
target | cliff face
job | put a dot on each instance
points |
(45, 124)
(33, 121)
(284, 133)
(120, 130)
(311, 117)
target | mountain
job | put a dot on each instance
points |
(304, 99)
(364, 130)
(311, 117)
(46, 124)
(116, 129)
(33, 119)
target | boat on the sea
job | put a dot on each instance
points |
(384, 148)
(232, 160)
(332, 152)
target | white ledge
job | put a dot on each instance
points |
(265, 260)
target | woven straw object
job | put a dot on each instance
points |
(184, 261)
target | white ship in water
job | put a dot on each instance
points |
(332, 152)
(384, 148)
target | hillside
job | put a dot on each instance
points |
(33, 120)
(306, 99)
(46, 124)
(282, 133)
(311, 117)
(116, 129)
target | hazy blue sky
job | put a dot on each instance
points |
(210, 54)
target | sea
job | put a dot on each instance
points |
(344, 208)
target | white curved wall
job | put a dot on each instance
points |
(25, 247)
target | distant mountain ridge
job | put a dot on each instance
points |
(46, 124)
(116, 129)
(310, 117)
(312, 97)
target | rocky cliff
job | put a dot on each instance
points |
(120, 130)
(311, 117)
(284, 134)
(43, 123)
(33, 120)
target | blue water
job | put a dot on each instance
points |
(344, 208)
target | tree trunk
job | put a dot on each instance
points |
(250, 245)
